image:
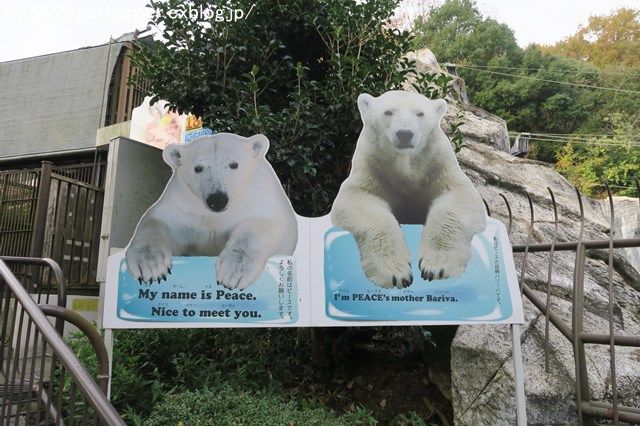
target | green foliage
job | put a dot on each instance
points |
(457, 139)
(532, 100)
(433, 85)
(615, 159)
(65, 391)
(457, 32)
(528, 97)
(538, 91)
(605, 40)
(165, 376)
(136, 381)
(447, 28)
(228, 406)
(411, 419)
(282, 71)
(148, 364)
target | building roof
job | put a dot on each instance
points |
(54, 103)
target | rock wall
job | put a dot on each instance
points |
(426, 62)
(479, 125)
(483, 391)
(482, 383)
(626, 224)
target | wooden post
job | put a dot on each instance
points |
(39, 224)
(40, 219)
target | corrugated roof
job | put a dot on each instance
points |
(52, 103)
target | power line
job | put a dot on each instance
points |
(576, 136)
(587, 86)
(601, 142)
(598, 72)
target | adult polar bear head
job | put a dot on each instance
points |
(214, 171)
(400, 120)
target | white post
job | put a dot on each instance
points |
(518, 372)
(108, 342)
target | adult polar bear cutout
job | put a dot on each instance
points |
(404, 170)
(223, 199)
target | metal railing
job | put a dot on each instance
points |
(41, 380)
(588, 408)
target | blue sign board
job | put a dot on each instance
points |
(322, 284)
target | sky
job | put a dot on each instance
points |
(548, 21)
(37, 27)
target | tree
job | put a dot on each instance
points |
(616, 158)
(547, 90)
(606, 40)
(446, 28)
(283, 71)
(457, 32)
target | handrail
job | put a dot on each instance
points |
(55, 268)
(96, 341)
(81, 377)
(588, 408)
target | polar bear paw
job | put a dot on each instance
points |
(388, 271)
(237, 270)
(147, 263)
(436, 264)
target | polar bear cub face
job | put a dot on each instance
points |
(403, 120)
(216, 167)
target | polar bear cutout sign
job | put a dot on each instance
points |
(223, 199)
(404, 171)
(224, 224)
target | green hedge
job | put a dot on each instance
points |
(227, 406)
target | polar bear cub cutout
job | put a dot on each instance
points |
(223, 199)
(404, 171)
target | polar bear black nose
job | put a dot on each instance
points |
(217, 201)
(404, 137)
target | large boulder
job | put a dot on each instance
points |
(478, 124)
(426, 62)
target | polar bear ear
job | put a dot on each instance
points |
(259, 145)
(441, 108)
(172, 155)
(365, 101)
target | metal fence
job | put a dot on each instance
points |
(41, 380)
(18, 197)
(589, 409)
(54, 212)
